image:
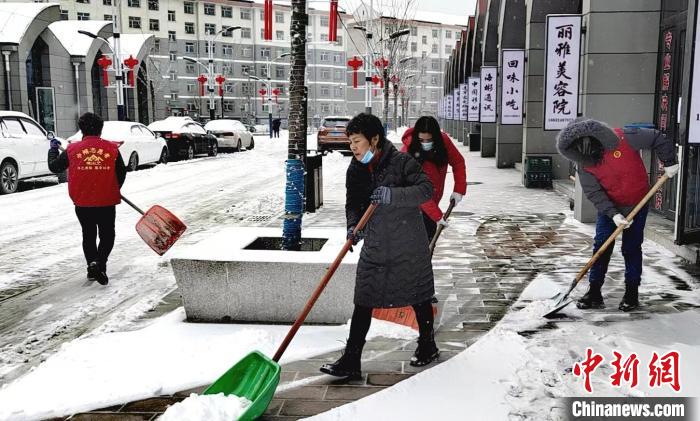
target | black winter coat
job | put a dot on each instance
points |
(395, 267)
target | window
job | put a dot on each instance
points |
(325, 91)
(245, 69)
(189, 47)
(173, 95)
(325, 108)
(245, 14)
(154, 24)
(173, 76)
(414, 31)
(435, 65)
(227, 49)
(190, 87)
(424, 54)
(264, 53)
(171, 16)
(247, 52)
(64, 15)
(83, 1)
(134, 3)
(340, 40)
(189, 68)
(338, 75)
(228, 105)
(83, 16)
(448, 49)
(279, 17)
(448, 34)
(338, 91)
(106, 17)
(434, 49)
(209, 9)
(324, 37)
(210, 28)
(134, 22)
(262, 33)
(281, 89)
(173, 57)
(226, 11)
(153, 5)
(245, 33)
(279, 35)
(325, 74)
(189, 8)
(213, 48)
(425, 39)
(189, 27)
(279, 72)
(337, 58)
(31, 128)
(433, 95)
(324, 21)
(172, 36)
(435, 33)
(414, 47)
(225, 33)
(106, 2)
(325, 56)
(433, 80)
(263, 71)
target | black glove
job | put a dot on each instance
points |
(55, 144)
(356, 238)
(381, 196)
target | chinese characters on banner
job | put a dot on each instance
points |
(694, 118)
(664, 106)
(450, 108)
(464, 97)
(474, 97)
(512, 76)
(457, 104)
(562, 64)
(488, 93)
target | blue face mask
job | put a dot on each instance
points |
(426, 146)
(367, 158)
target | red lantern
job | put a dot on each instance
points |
(394, 79)
(333, 22)
(202, 80)
(355, 63)
(267, 14)
(220, 80)
(104, 62)
(381, 63)
(276, 93)
(262, 93)
(131, 62)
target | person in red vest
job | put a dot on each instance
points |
(96, 173)
(613, 177)
(434, 150)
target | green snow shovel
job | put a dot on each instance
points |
(256, 376)
(441, 227)
(562, 299)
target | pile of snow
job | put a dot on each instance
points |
(207, 407)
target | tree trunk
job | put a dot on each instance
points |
(385, 113)
(294, 188)
(396, 105)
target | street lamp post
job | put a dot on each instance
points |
(269, 89)
(210, 69)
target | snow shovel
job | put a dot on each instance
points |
(562, 300)
(256, 376)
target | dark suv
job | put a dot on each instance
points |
(332, 136)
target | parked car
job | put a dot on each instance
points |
(23, 150)
(331, 134)
(261, 128)
(138, 144)
(231, 134)
(185, 137)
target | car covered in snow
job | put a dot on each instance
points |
(185, 137)
(23, 150)
(231, 134)
(137, 144)
(331, 134)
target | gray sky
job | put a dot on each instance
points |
(458, 7)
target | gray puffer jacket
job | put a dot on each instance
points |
(395, 268)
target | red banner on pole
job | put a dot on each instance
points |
(267, 15)
(355, 63)
(333, 22)
(220, 80)
(202, 80)
(104, 62)
(131, 62)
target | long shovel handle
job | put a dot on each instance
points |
(136, 208)
(322, 285)
(617, 232)
(441, 227)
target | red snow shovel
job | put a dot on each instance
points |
(562, 300)
(256, 376)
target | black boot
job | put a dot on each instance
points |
(591, 299)
(93, 271)
(349, 364)
(426, 352)
(101, 274)
(631, 299)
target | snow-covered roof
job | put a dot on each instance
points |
(15, 18)
(131, 44)
(442, 18)
(66, 31)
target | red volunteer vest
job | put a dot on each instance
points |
(622, 174)
(92, 177)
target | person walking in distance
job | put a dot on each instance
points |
(96, 172)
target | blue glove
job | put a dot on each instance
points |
(356, 238)
(55, 144)
(381, 196)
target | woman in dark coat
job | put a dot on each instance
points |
(394, 269)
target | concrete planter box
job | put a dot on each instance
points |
(222, 281)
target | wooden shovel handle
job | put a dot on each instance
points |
(322, 285)
(446, 215)
(619, 229)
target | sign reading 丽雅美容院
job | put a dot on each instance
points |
(562, 55)
(488, 94)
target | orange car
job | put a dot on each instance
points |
(331, 134)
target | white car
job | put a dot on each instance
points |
(231, 134)
(23, 150)
(138, 144)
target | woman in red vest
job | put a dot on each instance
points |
(435, 151)
(613, 177)
(96, 173)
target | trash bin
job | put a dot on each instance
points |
(313, 180)
(538, 172)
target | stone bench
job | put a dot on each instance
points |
(222, 281)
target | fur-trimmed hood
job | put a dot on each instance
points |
(583, 127)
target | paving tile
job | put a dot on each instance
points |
(298, 407)
(152, 404)
(303, 392)
(274, 407)
(351, 393)
(386, 379)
